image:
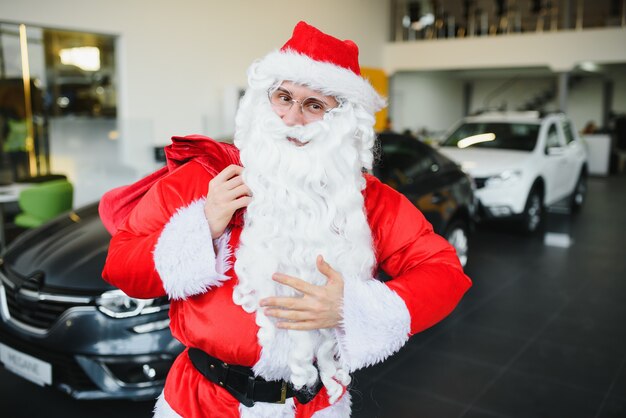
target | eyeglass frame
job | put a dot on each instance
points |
(272, 90)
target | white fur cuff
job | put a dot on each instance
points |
(184, 255)
(340, 409)
(376, 323)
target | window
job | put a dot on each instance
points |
(404, 159)
(552, 140)
(505, 135)
(569, 133)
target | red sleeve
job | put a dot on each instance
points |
(130, 264)
(424, 269)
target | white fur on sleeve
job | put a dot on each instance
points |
(184, 255)
(340, 409)
(376, 323)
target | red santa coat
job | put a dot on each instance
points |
(164, 247)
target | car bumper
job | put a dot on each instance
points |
(501, 202)
(93, 356)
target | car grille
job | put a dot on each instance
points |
(28, 306)
(480, 182)
(65, 370)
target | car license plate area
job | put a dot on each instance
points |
(26, 366)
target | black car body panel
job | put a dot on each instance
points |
(50, 292)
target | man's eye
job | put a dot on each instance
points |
(284, 98)
(314, 106)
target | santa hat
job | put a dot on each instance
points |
(323, 63)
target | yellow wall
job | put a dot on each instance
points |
(379, 81)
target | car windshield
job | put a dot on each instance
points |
(514, 136)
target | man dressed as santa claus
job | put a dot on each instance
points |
(269, 249)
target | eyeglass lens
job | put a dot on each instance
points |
(311, 105)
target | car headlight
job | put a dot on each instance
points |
(505, 178)
(117, 304)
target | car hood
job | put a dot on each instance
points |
(486, 162)
(70, 251)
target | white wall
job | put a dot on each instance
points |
(177, 59)
(497, 92)
(425, 100)
(585, 99)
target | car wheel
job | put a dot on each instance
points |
(457, 235)
(533, 211)
(579, 194)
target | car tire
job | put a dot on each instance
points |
(532, 217)
(579, 194)
(457, 234)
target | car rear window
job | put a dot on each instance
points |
(514, 136)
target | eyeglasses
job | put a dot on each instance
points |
(313, 108)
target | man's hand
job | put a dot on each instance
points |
(227, 193)
(318, 307)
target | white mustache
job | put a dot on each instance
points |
(303, 133)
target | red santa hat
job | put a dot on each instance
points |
(323, 63)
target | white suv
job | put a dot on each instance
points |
(520, 162)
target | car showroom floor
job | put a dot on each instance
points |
(540, 334)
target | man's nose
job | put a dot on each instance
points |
(294, 116)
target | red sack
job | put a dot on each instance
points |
(116, 204)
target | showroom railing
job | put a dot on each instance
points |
(415, 20)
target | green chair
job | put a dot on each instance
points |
(44, 201)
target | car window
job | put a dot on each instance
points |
(552, 140)
(568, 131)
(505, 135)
(402, 157)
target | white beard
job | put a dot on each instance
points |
(307, 201)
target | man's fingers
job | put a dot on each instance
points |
(227, 173)
(292, 303)
(241, 190)
(290, 315)
(233, 182)
(326, 269)
(295, 283)
(239, 203)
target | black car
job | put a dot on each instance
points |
(433, 183)
(62, 325)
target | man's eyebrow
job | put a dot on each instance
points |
(284, 90)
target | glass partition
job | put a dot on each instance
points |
(48, 73)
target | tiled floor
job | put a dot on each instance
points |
(540, 334)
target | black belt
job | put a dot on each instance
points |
(240, 381)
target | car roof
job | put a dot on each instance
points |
(528, 117)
